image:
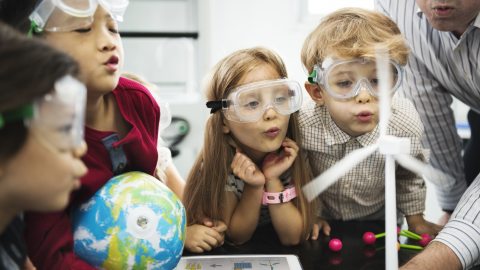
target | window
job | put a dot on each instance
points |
(311, 10)
(316, 7)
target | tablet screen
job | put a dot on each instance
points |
(277, 262)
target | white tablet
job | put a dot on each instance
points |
(268, 262)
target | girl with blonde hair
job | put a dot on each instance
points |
(250, 170)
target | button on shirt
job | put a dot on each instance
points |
(361, 192)
(440, 65)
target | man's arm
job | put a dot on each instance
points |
(432, 102)
(435, 256)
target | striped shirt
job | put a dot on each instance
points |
(235, 185)
(360, 193)
(462, 232)
(440, 65)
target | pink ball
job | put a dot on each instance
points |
(426, 238)
(335, 244)
(369, 238)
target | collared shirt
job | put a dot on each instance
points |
(462, 232)
(361, 192)
(440, 65)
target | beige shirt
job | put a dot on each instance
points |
(361, 192)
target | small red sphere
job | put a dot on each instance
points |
(426, 238)
(335, 244)
(369, 238)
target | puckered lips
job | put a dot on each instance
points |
(272, 132)
(364, 116)
(112, 63)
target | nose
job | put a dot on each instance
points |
(105, 40)
(80, 150)
(79, 168)
(363, 95)
(269, 113)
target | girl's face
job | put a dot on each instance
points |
(41, 176)
(98, 50)
(266, 135)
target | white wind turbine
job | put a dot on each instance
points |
(394, 149)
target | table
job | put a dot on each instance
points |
(316, 254)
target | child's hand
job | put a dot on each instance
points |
(201, 238)
(29, 265)
(275, 164)
(419, 225)
(245, 169)
(321, 224)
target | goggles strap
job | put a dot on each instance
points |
(21, 113)
(34, 29)
(312, 77)
(217, 105)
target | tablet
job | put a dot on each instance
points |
(230, 262)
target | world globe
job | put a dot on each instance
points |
(133, 222)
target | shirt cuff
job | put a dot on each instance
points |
(463, 238)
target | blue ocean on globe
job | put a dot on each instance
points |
(133, 222)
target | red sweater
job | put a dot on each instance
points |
(49, 236)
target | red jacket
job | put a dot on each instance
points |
(49, 236)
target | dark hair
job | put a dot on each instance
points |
(28, 71)
(16, 13)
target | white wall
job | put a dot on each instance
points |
(274, 24)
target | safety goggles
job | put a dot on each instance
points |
(58, 117)
(248, 103)
(68, 15)
(343, 79)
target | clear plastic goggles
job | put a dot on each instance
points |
(248, 103)
(67, 15)
(343, 79)
(59, 116)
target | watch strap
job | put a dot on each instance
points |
(279, 197)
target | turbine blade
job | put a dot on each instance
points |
(331, 175)
(428, 172)
(384, 81)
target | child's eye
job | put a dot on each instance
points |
(113, 30)
(374, 81)
(252, 104)
(66, 129)
(280, 99)
(344, 84)
(83, 30)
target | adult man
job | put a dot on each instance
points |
(444, 37)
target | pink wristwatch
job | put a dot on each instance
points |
(279, 197)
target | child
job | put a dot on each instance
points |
(249, 153)
(41, 112)
(343, 117)
(121, 118)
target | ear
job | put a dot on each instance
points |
(225, 128)
(315, 93)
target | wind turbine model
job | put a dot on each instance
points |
(394, 149)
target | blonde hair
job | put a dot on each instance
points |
(351, 33)
(205, 189)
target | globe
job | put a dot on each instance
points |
(133, 222)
